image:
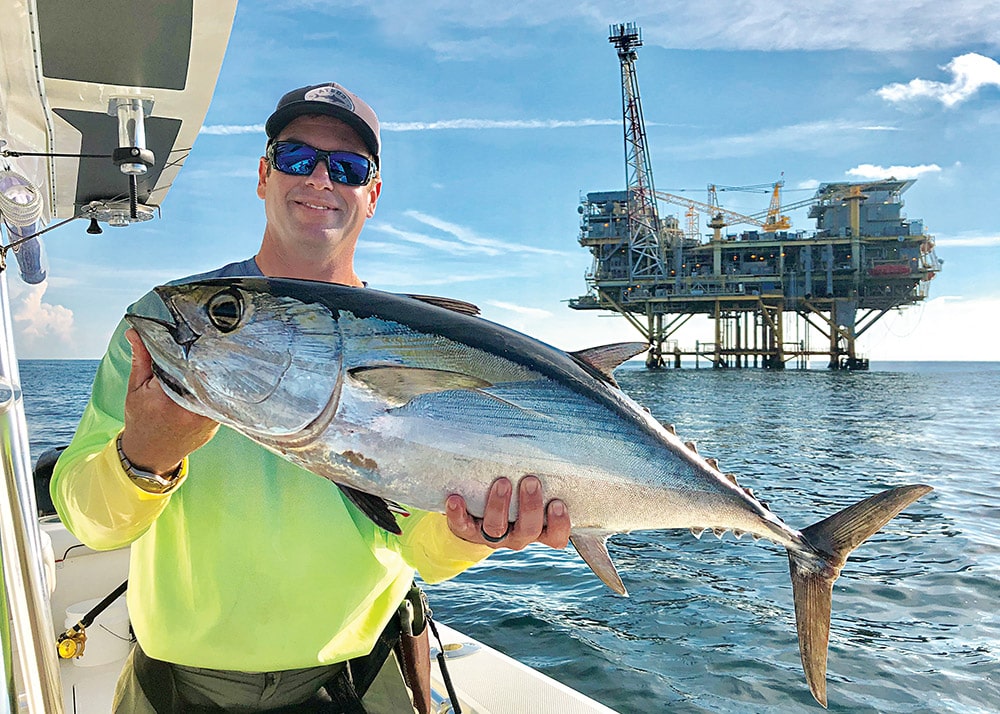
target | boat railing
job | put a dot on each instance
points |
(25, 601)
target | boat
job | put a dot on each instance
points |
(99, 106)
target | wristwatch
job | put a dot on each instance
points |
(147, 480)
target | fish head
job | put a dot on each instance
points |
(233, 351)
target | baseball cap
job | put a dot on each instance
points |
(332, 100)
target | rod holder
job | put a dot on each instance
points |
(132, 156)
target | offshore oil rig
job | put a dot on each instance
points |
(761, 286)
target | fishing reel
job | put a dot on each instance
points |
(72, 642)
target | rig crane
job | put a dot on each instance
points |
(775, 221)
(771, 220)
(719, 218)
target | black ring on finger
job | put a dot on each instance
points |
(493, 539)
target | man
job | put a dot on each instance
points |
(252, 580)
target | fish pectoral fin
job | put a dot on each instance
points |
(459, 306)
(592, 545)
(376, 508)
(398, 385)
(607, 358)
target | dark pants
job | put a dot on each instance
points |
(201, 689)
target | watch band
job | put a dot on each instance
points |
(147, 480)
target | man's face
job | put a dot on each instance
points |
(310, 218)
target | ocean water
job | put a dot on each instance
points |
(709, 626)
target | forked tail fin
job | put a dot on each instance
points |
(812, 578)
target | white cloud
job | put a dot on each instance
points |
(581, 329)
(231, 129)
(970, 73)
(438, 125)
(392, 278)
(497, 124)
(457, 29)
(468, 50)
(901, 173)
(520, 309)
(383, 248)
(932, 330)
(422, 239)
(37, 322)
(818, 25)
(468, 237)
(968, 241)
(790, 137)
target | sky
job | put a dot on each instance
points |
(498, 117)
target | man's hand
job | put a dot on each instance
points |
(535, 522)
(158, 433)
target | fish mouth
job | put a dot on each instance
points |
(180, 332)
(182, 335)
(170, 383)
(179, 329)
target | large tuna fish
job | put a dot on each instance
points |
(409, 400)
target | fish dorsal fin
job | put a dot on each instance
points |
(398, 385)
(592, 545)
(460, 306)
(607, 358)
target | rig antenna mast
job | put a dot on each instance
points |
(645, 259)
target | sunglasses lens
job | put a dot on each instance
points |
(300, 160)
(348, 168)
(296, 159)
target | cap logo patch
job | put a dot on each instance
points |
(330, 95)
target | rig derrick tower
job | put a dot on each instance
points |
(643, 221)
(766, 289)
(645, 247)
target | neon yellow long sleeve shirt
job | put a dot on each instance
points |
(251, 563)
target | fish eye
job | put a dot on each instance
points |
(224, 310)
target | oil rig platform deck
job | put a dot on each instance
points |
(769, 290)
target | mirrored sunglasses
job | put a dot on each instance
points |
(297, 159)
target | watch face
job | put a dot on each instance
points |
(151, 482)
(146, 480)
